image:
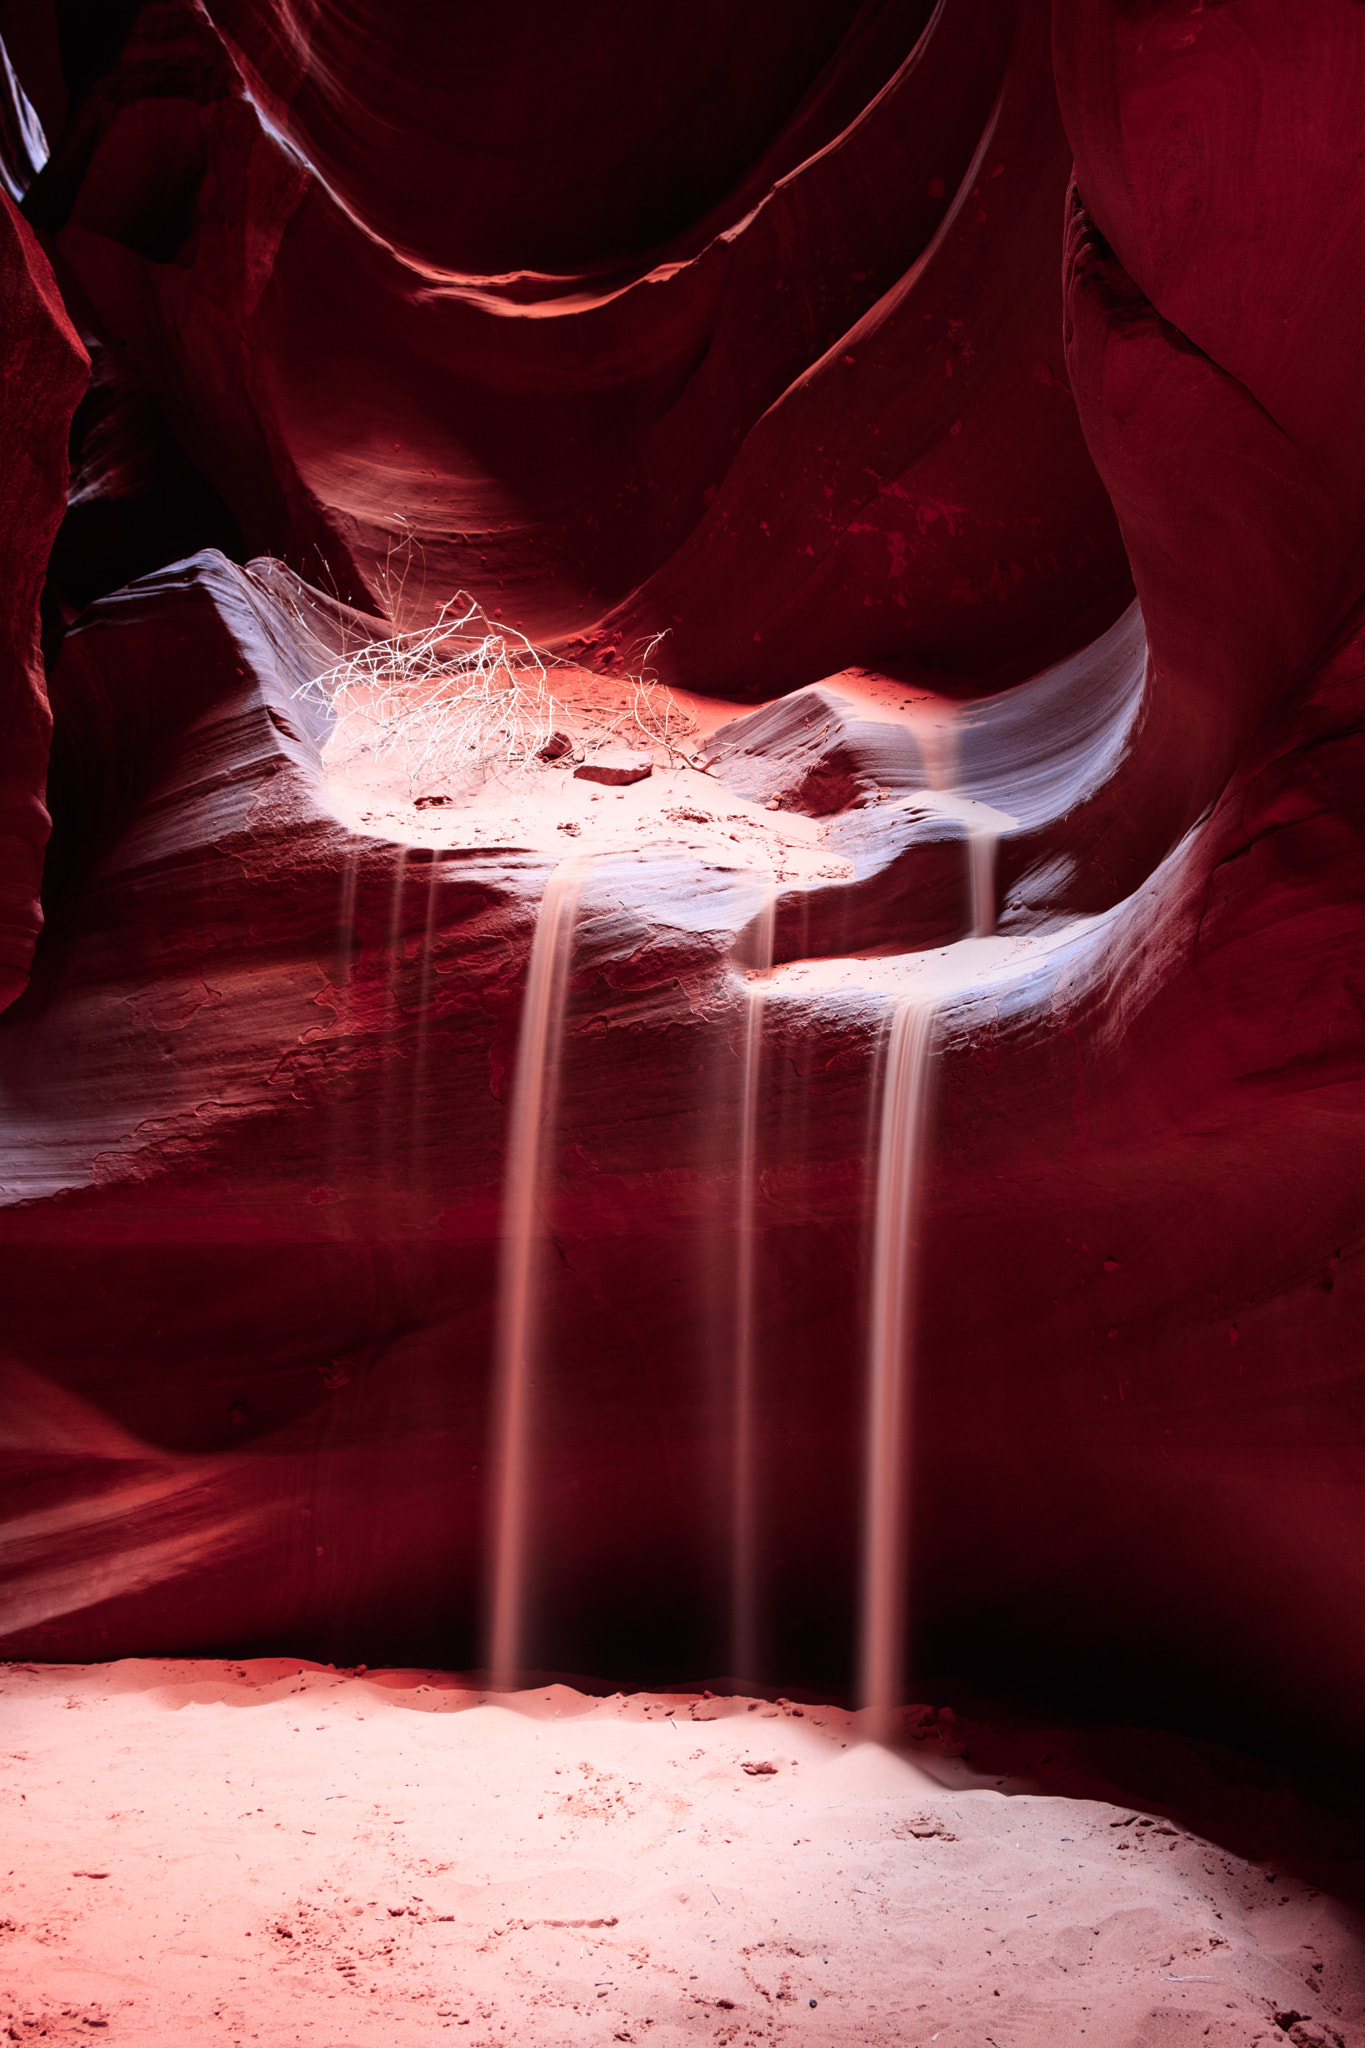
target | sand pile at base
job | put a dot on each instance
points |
(275, 1852)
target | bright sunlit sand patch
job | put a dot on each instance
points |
(545, 809)
(275, 1852)
(408, 780)
(970, 967)
(465, 736)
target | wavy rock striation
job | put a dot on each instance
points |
(42, 373)
(824, 418)
(878, 375)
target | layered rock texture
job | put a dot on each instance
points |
(875, 357)
(44, 371)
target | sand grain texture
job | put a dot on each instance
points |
(276, 1853)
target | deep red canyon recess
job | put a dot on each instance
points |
(911, 346)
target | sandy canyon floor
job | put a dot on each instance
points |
(277, 1852)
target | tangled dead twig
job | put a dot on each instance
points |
(462, 699)
(456, 697)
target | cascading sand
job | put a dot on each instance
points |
(905, 1088)
(535, 1089)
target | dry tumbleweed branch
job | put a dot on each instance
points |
(463, 699)
(456, 697)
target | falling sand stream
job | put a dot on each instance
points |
(535, 1087)
(905, 1088)
(744, 1644)
(982, 840)
(905, 1097)
(905, 1071)
(891, 1337)
(342, 1134)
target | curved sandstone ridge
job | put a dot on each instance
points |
(824, 420)
(186, 770)
(877, 387)
(265, 1073)
(42, 373)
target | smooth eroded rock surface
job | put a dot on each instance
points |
(865, 404)
(42, 373)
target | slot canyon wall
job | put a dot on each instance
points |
(1005, 352)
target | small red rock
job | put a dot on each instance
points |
(615, 767)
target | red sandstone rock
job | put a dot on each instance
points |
(1206, 203)
(808, 425)
(228, 1100)
(135, 500)
(682, 101)
(615, 767)
(257, 1096)
(42, 373)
